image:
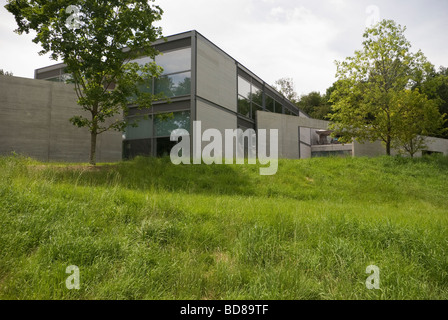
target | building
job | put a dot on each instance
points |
(205, 84)
(34, 121)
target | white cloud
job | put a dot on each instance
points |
(273, 38)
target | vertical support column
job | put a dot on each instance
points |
(194, 85)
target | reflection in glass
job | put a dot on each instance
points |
(175, 61)
(54, 79)
(255, 90)
(133, 148)
(173, 85)
(257, 97)
(243, 87)
(142, 61)
(142, 131)
(243, 106)
(254, 110)
(146, 86)
(278, 107)
(270, 104)
(165, 124)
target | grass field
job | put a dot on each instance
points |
(147, 229)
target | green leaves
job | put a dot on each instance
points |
(375, 96)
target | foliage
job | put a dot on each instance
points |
(418, 117)
(286, 87)
(371, 85)
(436, 88)
(97, 44)
(316, 105)
(5, 73)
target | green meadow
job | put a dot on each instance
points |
(147, 229)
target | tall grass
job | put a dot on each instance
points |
(147, 229)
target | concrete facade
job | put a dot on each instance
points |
(293, 129)
(375, 149)
(34, 121)
(216, 76)
(205, 84)
(295, 133)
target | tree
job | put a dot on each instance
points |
(371, 84)
(286, 87)
(97, 40)
(418, 118)
(5, 73)
(315, 104)
(436, 87)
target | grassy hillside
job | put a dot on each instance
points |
(147, 229)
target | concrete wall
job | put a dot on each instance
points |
(214, 118)
(436, 145)
(368, 149)
(34, 121)
(375, 149)
(288, 132)
(216, 75)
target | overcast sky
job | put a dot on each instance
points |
(298, 39)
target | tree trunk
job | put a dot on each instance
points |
(388, 138)
(388, 143)
(93, 148)
(93, 134)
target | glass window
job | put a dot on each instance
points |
(270, 104)
(164, 146)
(166, 123)
(175, 61)
(243, 87)
(254, 110)
(243, 106)
(146, 86)
(174, 85)
(133, 148)
(143, 129)
(278, 107)
(142, 61)
(257, 95)
(287, 111)
(54, 79)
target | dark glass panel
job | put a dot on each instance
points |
(173, 85)
(278, 107)
(166, 123)
(54, 79)
(146, 86)
(142, 131)
(243, 106)
(164, 146)
(257, 96)
(270, 104)
(133, 148)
